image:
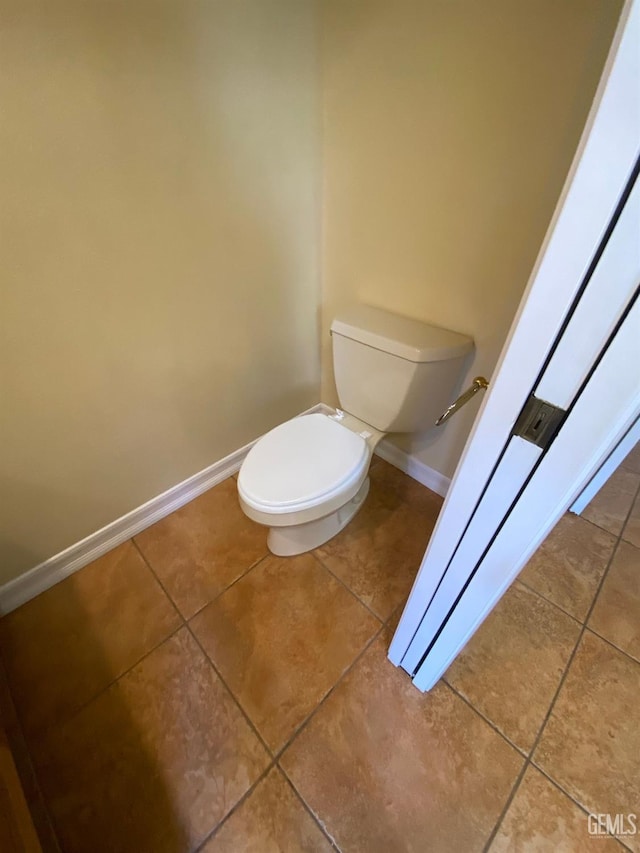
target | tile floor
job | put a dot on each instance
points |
(191, 692)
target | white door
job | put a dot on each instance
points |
(575, 344)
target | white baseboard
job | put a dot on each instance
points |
(416, 469)
(56, 568)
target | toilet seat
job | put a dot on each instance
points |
(302, 470)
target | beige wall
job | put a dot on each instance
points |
(158, 204)
(449, 127)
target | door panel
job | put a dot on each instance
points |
(614, 386)
(617, 272)
(519, 459)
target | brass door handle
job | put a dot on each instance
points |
(478, 384)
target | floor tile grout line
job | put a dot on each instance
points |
(618, 541)
(549, 600)
(612, 644)
(578, 642)
(349, 590)
(568, 794)
(308, 809)
(506, 807)
(157, 579)
(244, 713)
(604, 577)
(516, 785)
(529, 759)
(186, 623)
(343, 675)
(385, 622)
(340, 678)
(228, 587)
(618, 537)
(627, 516)
(575, 618)
(522, 752)
(275, 757)
(65, 720)
(243, 574)
(597, 526)
(214, 831)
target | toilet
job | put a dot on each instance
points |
(307, 478)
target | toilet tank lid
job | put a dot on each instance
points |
(410, 339)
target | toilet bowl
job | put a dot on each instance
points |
(307, 478)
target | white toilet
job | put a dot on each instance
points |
(307, 478)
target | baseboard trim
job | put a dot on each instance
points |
(43, 576)
(416, 469)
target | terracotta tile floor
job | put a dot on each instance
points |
(191, 692)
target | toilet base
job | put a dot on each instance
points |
(299, 538)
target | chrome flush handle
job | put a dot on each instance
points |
(478, 384)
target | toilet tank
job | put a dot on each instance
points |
(392, 372)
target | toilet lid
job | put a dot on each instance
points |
(301, 463)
